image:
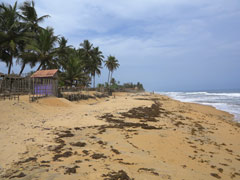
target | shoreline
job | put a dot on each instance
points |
(127, 135)
(236, 117)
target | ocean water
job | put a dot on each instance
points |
(226, 101)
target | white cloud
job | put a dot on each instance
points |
(149, 32)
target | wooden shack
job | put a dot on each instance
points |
(44, 83)
(12, 86)
(13, 83)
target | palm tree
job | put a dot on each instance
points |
(96, 63)
(92, 59)
(74, 70)
(63, 52)
(13, 33)
(112, 64)
(29, 17)
(42, 50)
(86, 53)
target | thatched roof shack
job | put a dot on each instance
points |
(45, 83)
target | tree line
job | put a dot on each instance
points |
(23, 40)
(116, 86)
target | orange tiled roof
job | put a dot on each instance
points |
(44, 73)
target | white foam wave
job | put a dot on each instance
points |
(202, 93)
(229, 102)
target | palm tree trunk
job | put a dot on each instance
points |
(108, 78)
(91, 80)
(23, 66)
(39, 66)
(111, 77)
(10, 66)
(94, 81)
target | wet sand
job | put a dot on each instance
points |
(126, 136)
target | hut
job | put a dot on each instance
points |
(12, 83)
(44, 83)
(12, 86)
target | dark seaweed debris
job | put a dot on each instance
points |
(85, 152)
(65, 154)
(65, 134)
(59, 147)
(27, 160)
(115, 151)
(71, 170)
(117, 123)
(79, 144)
(120, 175)
(178, 123)
(152, 171)
(144, 113)
(98, 156)
(216, 175)
(19, 175)
(102, 143)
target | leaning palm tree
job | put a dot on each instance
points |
(42, 50)
(112, 64)
(24, 58)
(13, 33)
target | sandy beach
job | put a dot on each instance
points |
(126, 136)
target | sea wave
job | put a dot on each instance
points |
(229, 102)
(202, 93)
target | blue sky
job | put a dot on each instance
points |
(168, 45)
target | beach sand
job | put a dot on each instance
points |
(125, 136)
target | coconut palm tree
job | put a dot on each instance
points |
(92, 59)
(112, 64)
(29, 17)
(74, 71)
(13, 34)
(86, 53)
(96, 63)
(24, 58)
(42, 50)
(63, 52)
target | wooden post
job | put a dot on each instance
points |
(33, 89)
(48, 87)
(56, 87)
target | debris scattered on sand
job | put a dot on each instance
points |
(120, 175)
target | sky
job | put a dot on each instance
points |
(168, 45)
